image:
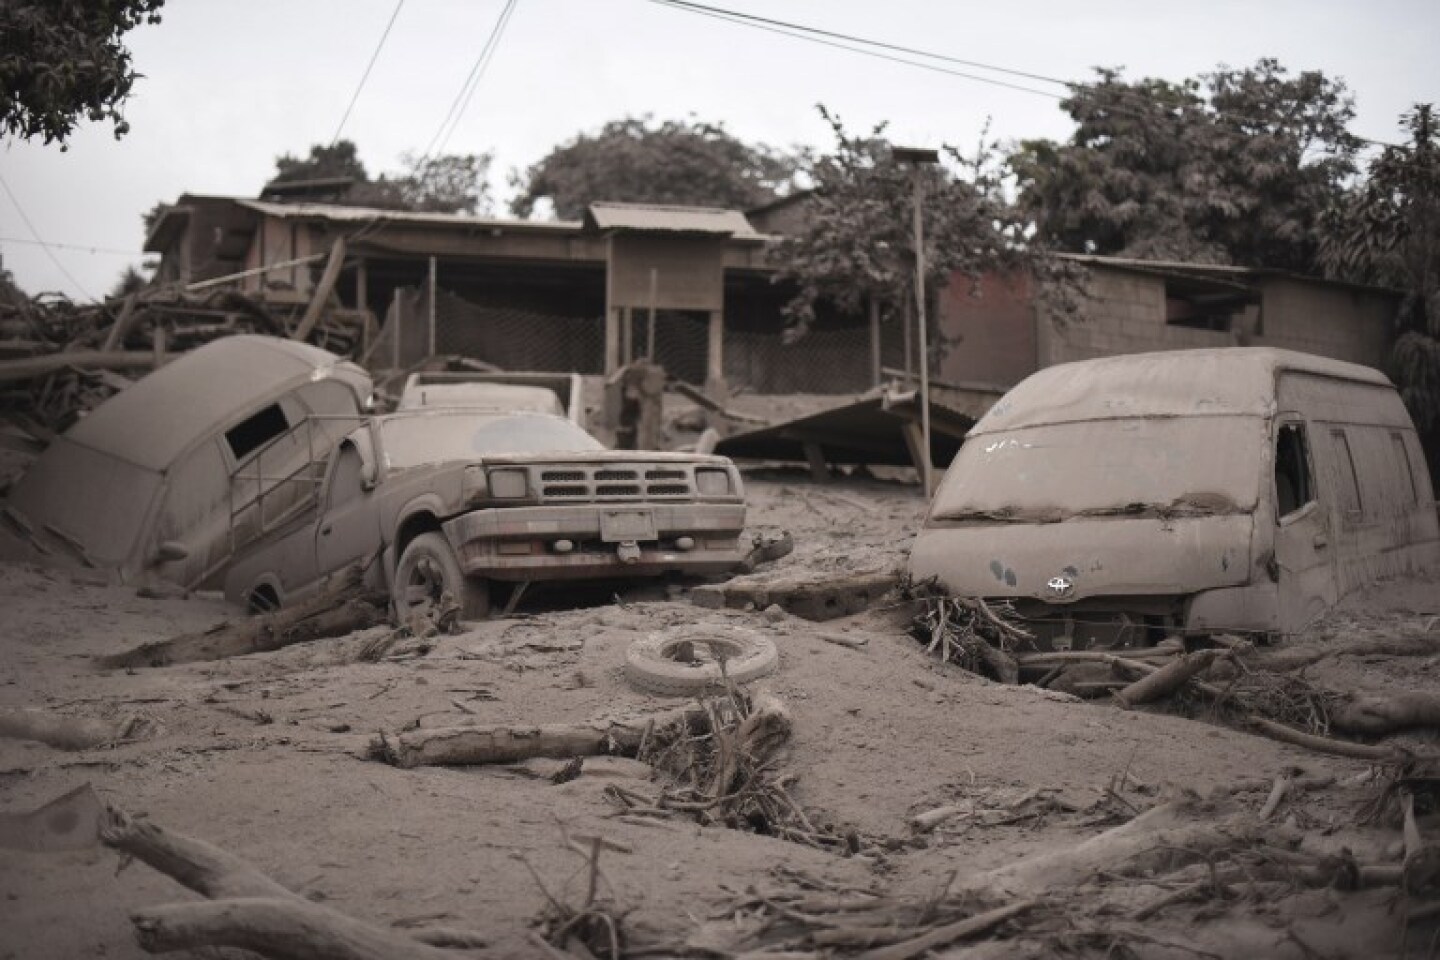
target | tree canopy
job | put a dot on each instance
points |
(1387, 232)
(62, 61)
(858, 246)
(633, 160)
(452, 183)
(1237, 166)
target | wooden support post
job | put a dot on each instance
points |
(915, 441)
(650, 330)
(715, 357)
(875, 373)
(430, 343)
(321, 294)
(815, 454)
(612, 317)
(627, 335)
(362, 303)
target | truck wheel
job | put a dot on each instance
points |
(428, 569)
(686, 662)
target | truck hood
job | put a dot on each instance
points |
(1085, 556)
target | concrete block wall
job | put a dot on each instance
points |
(1126, 314)
(1326, 319)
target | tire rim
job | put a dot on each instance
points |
(425, 586)
(715, 649)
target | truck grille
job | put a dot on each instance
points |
(609, 482)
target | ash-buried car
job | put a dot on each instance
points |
(452, 500)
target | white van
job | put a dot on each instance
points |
(177, 471)
(1116, 501)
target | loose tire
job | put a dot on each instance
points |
(426, 570)
(651, 662)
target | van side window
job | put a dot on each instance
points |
(345, 483)
(1293, 488)
(1402, 463)
(1349, 486)
(249, 435)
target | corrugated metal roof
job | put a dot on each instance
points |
(1235, 381)
(156, 419)
(669, 219)
(337, 213)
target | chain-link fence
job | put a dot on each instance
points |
(823, 361)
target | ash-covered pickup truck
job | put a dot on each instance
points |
(449, 500)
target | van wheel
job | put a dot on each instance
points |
(426, 571)
(687, 662)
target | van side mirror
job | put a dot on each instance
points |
(169, 551)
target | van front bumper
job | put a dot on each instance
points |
(529, 543)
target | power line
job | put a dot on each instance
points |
(817, 35)
(84, 248)
(704, 8)
(366, 75)
(36, 234)
(472, 81)
(812, 35)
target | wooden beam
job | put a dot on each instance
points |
(121, 328)
(321, 294)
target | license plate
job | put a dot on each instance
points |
(617, 526)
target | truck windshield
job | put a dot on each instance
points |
(1154, 465)
(460, 435)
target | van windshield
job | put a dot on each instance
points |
(1170, 466)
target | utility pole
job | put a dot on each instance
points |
(917, 158)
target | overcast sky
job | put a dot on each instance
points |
(230, 84)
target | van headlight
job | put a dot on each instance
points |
(509, 484)
(712, 483)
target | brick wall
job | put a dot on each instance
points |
(1328, 320)
(986, 329)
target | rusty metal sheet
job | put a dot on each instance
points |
(657, 217)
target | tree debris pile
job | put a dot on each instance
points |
(1206, 860)
(60, 359)
(723, 767)
(1222, 678)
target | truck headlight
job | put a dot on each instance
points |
(712, 483)
(509, 484)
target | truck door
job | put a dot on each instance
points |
(1304, 553)
(349, 525)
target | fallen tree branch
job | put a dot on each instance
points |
(1167, 679)
(248, 908)
(440, 746)
(283, 929)
(344, 608)
(72, 733)
(949, 933)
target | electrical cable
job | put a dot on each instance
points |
(817, 35)
(472, 80)
(84, 248)
(36, 234)
(366, 75)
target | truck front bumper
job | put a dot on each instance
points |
(529, 543)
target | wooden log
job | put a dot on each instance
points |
(930, 819)
(30, 368)
(461, 746)
(767, 551)
(949, 933)
(248, 908)
(1157, 833)
(1387, 713)
(207, 869)
(348, 605)
(322, 290)
(120, 329)
(1169, 678)
(282, 929)
(1276, 797)
(1310, 741)
(71, 733)
(1421, 869)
